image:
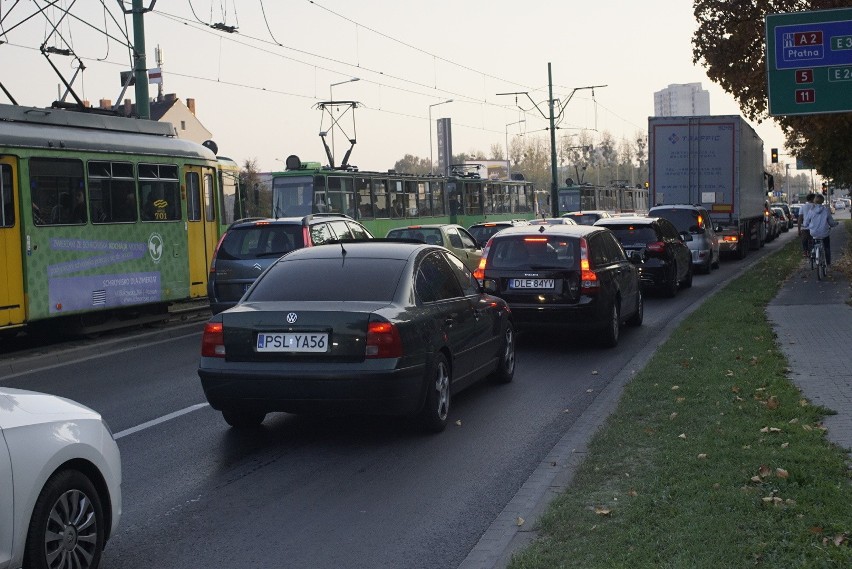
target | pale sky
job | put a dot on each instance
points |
(256, 90)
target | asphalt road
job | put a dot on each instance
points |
(323, 492)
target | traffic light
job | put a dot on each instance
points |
(775, 156)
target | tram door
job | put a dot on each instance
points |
(12, 311)
(202, 226)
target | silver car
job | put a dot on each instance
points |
(693, 222)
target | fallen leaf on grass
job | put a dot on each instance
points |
(770, 430)
(729, 373)
(680, 399)
(803, 403)
(764, 471)
(602, 511)
(756, 479)
(675, 387)
(632, 492)
(773, 403)
(735, 389)
(702, 456)
(785, 445)
(781, 473)
(682, 436)
(672, 416)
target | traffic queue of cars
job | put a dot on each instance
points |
(398, 325)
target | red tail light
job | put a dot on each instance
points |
(588, 278)
(656, 247)
(213, 340)
(216, 253)
(306, 236)
(383, 340)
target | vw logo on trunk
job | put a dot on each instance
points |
(291, 318)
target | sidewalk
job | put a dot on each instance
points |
(813, 323)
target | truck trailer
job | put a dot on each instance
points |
(716, 162)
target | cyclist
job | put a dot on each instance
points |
(819, 222)
(803, 233)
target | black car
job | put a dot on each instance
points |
(574, 277)
(483, 231)
(251, 245)
(667, 264)
(374, 327)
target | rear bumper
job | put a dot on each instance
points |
(312, 388)
(587, 315)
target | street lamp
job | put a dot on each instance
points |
(331, 99)
(431, 167)
(508, 161)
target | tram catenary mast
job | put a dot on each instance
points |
(551, 117)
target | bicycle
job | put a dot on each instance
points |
(818, 259)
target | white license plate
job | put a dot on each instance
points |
(292, 342)
(531, 283)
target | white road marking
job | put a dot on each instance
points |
(163, 419)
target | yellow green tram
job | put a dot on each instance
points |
(104, 218)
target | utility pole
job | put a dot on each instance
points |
(551, 117)
(140, 64)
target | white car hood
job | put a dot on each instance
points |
(19, 403)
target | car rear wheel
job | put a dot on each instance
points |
(243, 419)
(506, 367)
(609, 335)
(672, 285)
(639, 315)
(67, 528)
(436, 409)
(687, 282)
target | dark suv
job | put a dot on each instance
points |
(667, 262)
(483, 231)
(249, 246)
(574, 277)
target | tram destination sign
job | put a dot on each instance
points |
(809, 62)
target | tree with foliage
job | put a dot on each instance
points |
(730, 43)
(411, 164)
(256, 196)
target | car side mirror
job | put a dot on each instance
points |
(685, 236)
(636, 256)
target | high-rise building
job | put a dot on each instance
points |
(678, 100)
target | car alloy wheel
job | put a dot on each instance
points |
(506, 368)
(436, 409)
(67, 528)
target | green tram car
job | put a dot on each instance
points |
(104, 218)
(382, 201)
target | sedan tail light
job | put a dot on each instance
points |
(588, 278)
(383, 340)
(479, 273)
(656, 247)
(213, 340)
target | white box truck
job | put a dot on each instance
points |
(716, 162)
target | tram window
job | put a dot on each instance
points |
(228, 196)
(398, 199)
(363, 198)
(380, 192)
(437, 198)
(193, 197)
(412, 208)
(55, 185)
(424, 198)
(341, 197)
(293, 195)
(453, 197)
(209, 205)
(472, 199)
(112, 192)
(7, 215)
(159, 187)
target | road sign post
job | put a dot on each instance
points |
(809, 62)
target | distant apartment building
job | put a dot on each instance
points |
(686, 99)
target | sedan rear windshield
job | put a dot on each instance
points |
(534, 252)
(634, 236)
(683, 219)
(262, 240)
(483, 233)
(363, 280)
(585, 218)
(429, 235)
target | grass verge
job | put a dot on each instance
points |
(712, 459)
